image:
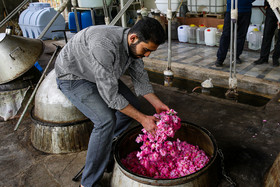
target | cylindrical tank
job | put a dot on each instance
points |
(174, 26)
(86, 19)
(210, 36)
(72, 23)
(59, 127)
(192, 33)
(36, 17)
(255, 39)
(182, 33)
(190, 133)
(219, 33)
(200, 39)
(15, 94)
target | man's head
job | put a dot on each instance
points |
(144, 37)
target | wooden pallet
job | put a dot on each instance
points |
(193, 15)
(218, 16)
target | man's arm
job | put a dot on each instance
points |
(156, 102)
(148, 122)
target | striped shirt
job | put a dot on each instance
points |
(100, 54)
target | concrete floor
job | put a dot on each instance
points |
(248, 136)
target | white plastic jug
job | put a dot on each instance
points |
(200, 39)
(192, 33)
(210, 36)
(182, 33)
(255, 39)
(250, 28)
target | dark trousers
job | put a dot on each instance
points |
(269, 30)
(242, 27)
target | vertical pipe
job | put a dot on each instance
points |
(231, 39)
(124, 15)
(235, 40)
(169, 38)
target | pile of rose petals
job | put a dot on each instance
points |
(164, 159)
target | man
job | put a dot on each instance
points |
(243, 22)
(269, 29)
(88, 72)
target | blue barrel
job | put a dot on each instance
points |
(86, 19)
(72, 23)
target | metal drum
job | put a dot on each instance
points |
(59, 127)
(17, 55)
(14, 94)
(191, 133)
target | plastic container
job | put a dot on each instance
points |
(210, 36)
(192, 33)
(209, 6)
(86, 19)
(72, 22)
(200, 39)
(250, 28)
(219, 33)
(162, 5)
(35, 18)
(92, 3)
(255, 39)
(182, 33)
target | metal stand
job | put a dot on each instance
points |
(232, 91)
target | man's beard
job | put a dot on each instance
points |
(132, 51)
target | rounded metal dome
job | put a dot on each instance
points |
(51, 105)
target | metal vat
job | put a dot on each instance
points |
(191, 133)
(59, 127)
(17, 55)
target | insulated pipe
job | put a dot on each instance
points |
(124, 15)
(233, 44)
(37, 86)
(107, 19)
(61, 9)
(6, 19)
(168, 74)
(121, 12)
(74, 4)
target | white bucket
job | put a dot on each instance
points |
(162, 5)
(182, 33)
(210, 36)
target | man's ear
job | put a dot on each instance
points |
(133, 38)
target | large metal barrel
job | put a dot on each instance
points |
(190, 133)
(15, 94)
(59, 127)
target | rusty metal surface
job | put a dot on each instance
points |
(17, 55)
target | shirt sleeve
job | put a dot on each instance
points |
(140, 78)
(103, 53)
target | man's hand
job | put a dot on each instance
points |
(156, 102)
(149, 123)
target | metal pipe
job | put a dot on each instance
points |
(6, 19)
(121, 12)
(169, 38)
(61, 9)
(105, 9)
(124, 15)
(37, 86)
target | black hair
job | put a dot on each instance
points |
(148, 29)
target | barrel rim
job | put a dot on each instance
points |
(185, 178)
(51, 124)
